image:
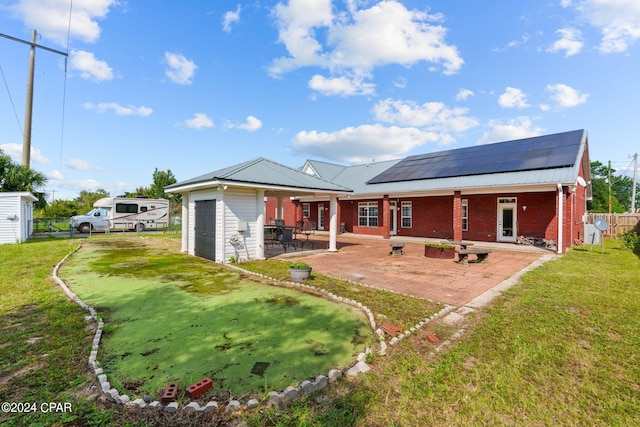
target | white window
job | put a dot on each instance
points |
(407, 214)
(306, 210)
(368, 214)
(465, 214)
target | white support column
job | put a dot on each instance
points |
(560, 241)
(279, 208)
(260, 225)
(185, 223)
(333, 222)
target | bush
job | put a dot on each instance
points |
(631, 239)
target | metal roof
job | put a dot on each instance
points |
(361, 178)
(263, 172)
(541, 152)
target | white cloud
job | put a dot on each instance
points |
(14, 151)
(120, 110)
(340, 86)
(51, 18)
(361, 144)
(90, 68)
(566, 96)
(434, 116)
(464, 94)
(54, 175)
(252, 124)
(513, 98)
(199, 121)
(357, 41)
(570, 42)
(180, 69)
(79, 164)
(229, 18)
(518, 128)
(617, 20)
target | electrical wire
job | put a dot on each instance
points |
(11, 99)
(64, 90)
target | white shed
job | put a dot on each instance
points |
(223, 211)
(16, 216)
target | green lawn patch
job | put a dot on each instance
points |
(172, 317)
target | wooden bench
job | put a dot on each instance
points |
(481, 255)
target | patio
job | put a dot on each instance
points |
(367, 260)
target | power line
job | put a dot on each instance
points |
(11, 99)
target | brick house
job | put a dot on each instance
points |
(534, 187)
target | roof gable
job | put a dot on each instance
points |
(542, 152)
(263, 172)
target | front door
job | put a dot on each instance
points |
(205, 244)
(393, 224)
(321, 216)
(507, 220)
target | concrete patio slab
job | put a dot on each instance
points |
(368, 261)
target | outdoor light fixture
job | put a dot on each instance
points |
(524, 208)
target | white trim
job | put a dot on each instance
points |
(499, 225)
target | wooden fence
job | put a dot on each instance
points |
(618, 223)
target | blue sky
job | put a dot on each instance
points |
(196, 86)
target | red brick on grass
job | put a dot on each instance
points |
(432, 338)
(392, 330)
(170, 393)
(196, 389)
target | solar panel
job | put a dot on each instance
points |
(542, 152)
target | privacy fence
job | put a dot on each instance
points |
(618, 223)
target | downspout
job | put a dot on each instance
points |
(560, 219)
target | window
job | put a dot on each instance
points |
(306, 210)
(465, 214)
(126, 208)
(143, 208)
(406, 215)
(368, 214)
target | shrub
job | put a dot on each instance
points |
(300, 266)
(631, 239)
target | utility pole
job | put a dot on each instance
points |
(635, 179)
(28, 112)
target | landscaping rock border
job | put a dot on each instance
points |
(284, 397)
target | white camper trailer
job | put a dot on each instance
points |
(111, 213)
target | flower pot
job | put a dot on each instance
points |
(300, 274)
(439, 253)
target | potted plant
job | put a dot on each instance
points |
(300, 271)
(439, 250)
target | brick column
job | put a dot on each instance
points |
(457, 216)
(386, 217)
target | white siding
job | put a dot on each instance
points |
(240, 206)
(18, 205)
(233, 206)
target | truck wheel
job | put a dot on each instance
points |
(140, 227)
(84, 227)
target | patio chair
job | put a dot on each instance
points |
(308, 229)
(286, 239)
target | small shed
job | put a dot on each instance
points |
(223, 212)
(16, 216)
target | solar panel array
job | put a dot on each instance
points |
(542, 152)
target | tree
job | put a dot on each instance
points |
(161, 179)
(61, 209)
(15, 177)
(621, 189)
(84, 202)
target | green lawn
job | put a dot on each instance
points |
(561, 348)
(172, 317)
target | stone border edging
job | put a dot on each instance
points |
(287, 396)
